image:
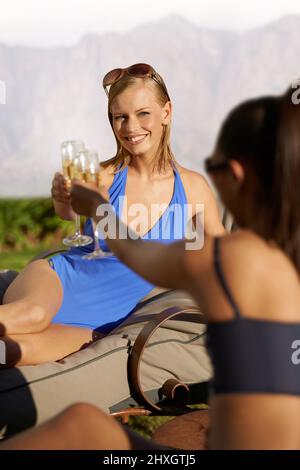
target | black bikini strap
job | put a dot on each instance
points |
(221, 277)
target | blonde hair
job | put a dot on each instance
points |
(164, 155)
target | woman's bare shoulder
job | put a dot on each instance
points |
(244, 242)
(195, 184)
(232, 246)
(268, 277)
(191, 176)
(248, 249)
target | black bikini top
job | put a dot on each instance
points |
(250, 355)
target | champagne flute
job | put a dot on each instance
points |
(93, 176)
(69, 150)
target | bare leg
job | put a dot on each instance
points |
(81, 427)
(52, 344)
(32, 300)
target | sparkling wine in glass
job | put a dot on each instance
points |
(69, 152)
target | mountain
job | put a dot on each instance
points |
(55, 94)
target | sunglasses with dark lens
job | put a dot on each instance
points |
(211, 166)
(136, 70)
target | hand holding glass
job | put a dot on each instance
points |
(72, 169)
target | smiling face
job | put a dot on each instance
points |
(138, 119)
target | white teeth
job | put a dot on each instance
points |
(136, 139)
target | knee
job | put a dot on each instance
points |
(87, 427)
(83, 412)
(81, 419)
(38, 318)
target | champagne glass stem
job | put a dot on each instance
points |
(96, 239)
(97, 252)
(77, 225)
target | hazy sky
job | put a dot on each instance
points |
(43, 23)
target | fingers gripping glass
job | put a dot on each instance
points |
(136, 70)
(69, 150)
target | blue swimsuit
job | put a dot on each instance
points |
(99, 294)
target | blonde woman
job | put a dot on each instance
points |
(55, 308)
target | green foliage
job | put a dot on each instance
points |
(147, 425)
(26, 222)
(18, 260)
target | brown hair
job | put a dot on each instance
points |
(164, 154)
(264, 133)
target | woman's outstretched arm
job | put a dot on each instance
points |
(165, 265)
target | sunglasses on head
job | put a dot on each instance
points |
(211, 165)
(137, 71)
